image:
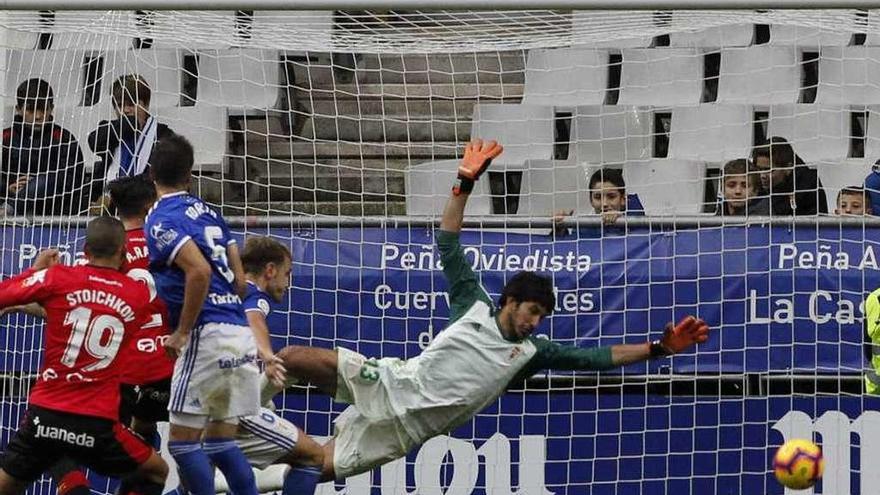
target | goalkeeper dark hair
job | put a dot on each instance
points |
(529, 287)
(259, 251)
(171, 161)
(132, 195)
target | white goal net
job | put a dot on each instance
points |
(339, 133)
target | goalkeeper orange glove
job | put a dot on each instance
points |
(477, 157)
(688, 332)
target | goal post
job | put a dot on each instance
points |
(338, 132)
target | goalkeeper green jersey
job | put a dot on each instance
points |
(872, 342)
(470, 363)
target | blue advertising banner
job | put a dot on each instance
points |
(778, 299)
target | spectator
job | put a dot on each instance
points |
(41, 169)
(794, 188)
(124, 144)
(853, 201)
(607, 197)
(872, 188)
(740, 186)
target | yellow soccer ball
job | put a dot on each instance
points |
(798, 464)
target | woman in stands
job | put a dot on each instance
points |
(793, 187)
(740, 188)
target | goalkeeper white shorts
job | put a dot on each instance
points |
(368, 433)
(265, 438)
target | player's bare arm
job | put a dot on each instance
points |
(198, 279)
(234, 257)
(275, 371)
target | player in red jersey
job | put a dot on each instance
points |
(92, 312)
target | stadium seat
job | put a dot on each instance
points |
(598, 21)
(313, 25)
(816, 132)
(217, 26)
(428, 185)
(566, 77)
(839, 175)
(667, 186)
(807, 37)
(712, 133)
(605, 135)
(729, 35)
(526, 131)
(160, 68)
(550, 185)
(872, 135)
(206, 127)
(62, 69)
(239, 79)
(849, 75)
(75, 29)
(760, 75)
(80, 121)
(661, 76)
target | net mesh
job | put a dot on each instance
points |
(306, 124)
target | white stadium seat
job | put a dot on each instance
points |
(62, 69)
(550, 185)
(730, 35)
(161, 69)
(712, 133)
(316, 26)
(239, 79)
(807, 37)
(872, 135)
(566, 77)
(76, 29)
(586, 21)
(605, 135)
(216, 29)
(815, 132)
(206, 127)
(526, 131)
(760, 75)
(427, 189)
(849, 75)
(667, 186)
(661, 76)
(840, 175)
(80, 121)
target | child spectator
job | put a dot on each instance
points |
(794, 188)
(740, 185)
(607, 197)
(41, 168)
(853, 201)
(124, 144)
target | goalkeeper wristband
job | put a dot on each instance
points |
(659, 350)
(462, 185)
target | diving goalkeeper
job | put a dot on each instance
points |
(397, 405)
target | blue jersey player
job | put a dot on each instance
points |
(200, 276)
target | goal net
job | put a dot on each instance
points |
(339, 133)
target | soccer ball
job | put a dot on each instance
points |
(798, 464)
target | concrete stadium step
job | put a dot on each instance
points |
(497, 92)
(411, 68)
(301, 182)
(297, 208)
(321, 151)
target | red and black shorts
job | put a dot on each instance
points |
(45, 436)
(145, 402)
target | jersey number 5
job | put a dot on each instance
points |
(93, 335)
(218, 253)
